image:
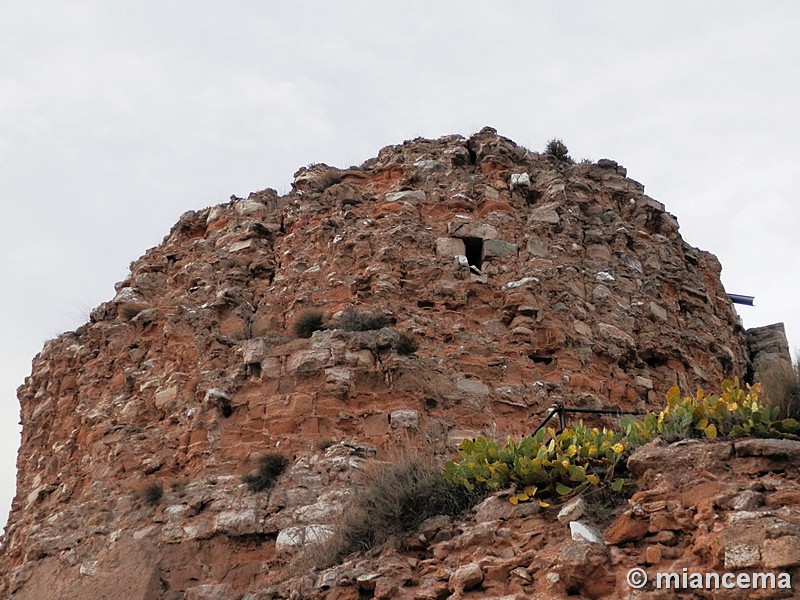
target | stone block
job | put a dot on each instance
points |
(658, 311)
(466, 578)
(165, 398)
(464, 227)
(305, 361)
(581, 532)
(254, 351)
(211, 591)
(781, 553)
(572, 510)
(785, 449)
(289, 540)
(536, 248)
(615, 334)
(406, 196)
(543, 215)
(625, 529)
(472, 387)
(404, 418)
(520, 181)
(447, 247)
(741, 555)
(241, 245)
(499, 249)
(237, 522)
(376, 424)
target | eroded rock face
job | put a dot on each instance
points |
(525, 281)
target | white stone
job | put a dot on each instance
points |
(584, 533)
(316, 534)
(404, 418)
(89, 568)
(572, 510)
(519, 283)
(604, 276)
(249, 207)
(241, 245)
(127, 294)
(289, 540)
(237, 522)
(406, 196)
(520, 180)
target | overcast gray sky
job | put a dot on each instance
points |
(116, 117)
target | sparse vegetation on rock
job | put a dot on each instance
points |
(353, 319)
(307, 323)
(558, 149)
(396, 498)
(152, 493)
(270, 466)
(406, 344)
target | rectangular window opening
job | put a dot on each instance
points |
(474, 249)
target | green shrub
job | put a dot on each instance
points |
(354, 320)
(397, 499)
(558, 149)
(406, 344)
(579, 459)
(307, 323)
(270, 466)
(569, 463)
(736, 412)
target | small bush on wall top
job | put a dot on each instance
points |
(558, 149)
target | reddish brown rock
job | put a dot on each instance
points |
(573, 286)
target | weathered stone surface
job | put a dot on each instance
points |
(211, 591)
(781, 553)
(448, 247)
(572, 510)
(408, 196)
(581, 532)
(466, 578)
(741, 555)
(498, 249)
(789, 449)
(544, 215)
(404, 418)
(193, 371)
(767, 346)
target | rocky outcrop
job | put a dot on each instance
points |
(526, 282)
(767, 347)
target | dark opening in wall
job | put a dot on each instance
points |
(474, 249)
(545, 360)
(253, 370)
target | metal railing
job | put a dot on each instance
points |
(562, 412)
